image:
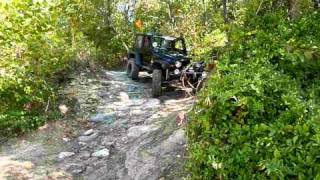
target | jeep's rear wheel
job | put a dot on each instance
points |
(132, 69)
(156, 82)
(129, 69)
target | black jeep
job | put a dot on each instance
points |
(163, 56)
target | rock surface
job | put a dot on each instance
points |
(101, 153)
(103, 117)
(131, 135)
(88, 132)
(64, 155)
(88, 138)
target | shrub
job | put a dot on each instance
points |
(33, 50)
(258, 117)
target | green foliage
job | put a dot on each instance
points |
(197, 21)
(43, 40)
(258, 117)
(31, 49)
(36, 46)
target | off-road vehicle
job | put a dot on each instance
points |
(164, 56)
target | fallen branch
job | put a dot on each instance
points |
(259, 7)
(47, 107)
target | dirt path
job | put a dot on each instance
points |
(124, 134)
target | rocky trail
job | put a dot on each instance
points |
(115, 130)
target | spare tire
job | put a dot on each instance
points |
(156, 82)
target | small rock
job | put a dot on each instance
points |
(106, 117)
(136, 112)
(155, 116)
(75, 168)
(43, 127)
(32, 153)
(88, 133)
(124, 140)
(66, 139)
(89, 169)
(73, 83)
(103, 94)
(122, 108)
(84, 155)
(121, 114)
(177, 137)
(137, 120)
(105, 83)
(101, 153)
(119, 103)
(108, 141)
(64, 155)
(27, 165)
(132, 88)
(152, 103)
(88, 138)
(124, 96)
(137, 131)
(63, 108)
(58, 175)
(137, 102)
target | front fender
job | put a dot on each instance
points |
(160, 64)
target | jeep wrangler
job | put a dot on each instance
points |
(163, 56)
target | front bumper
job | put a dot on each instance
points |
(195, 75)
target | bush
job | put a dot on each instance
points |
(33, 50)
(41, 42)
(258, 117)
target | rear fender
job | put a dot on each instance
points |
(137, 58)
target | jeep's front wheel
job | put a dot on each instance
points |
(132, 69)
(156, 82)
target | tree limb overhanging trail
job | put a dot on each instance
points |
(128, 135)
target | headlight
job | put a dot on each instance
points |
(178, 64)
(176, 71)
(198, 65)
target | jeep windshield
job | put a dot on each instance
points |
(172, 45)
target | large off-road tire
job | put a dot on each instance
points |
(156, 82)
(132, 69)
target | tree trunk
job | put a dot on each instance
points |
(170, 13)
(225, 11)
(316, 4)
(73, 32)
(294, 9)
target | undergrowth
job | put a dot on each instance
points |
(258, 116)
